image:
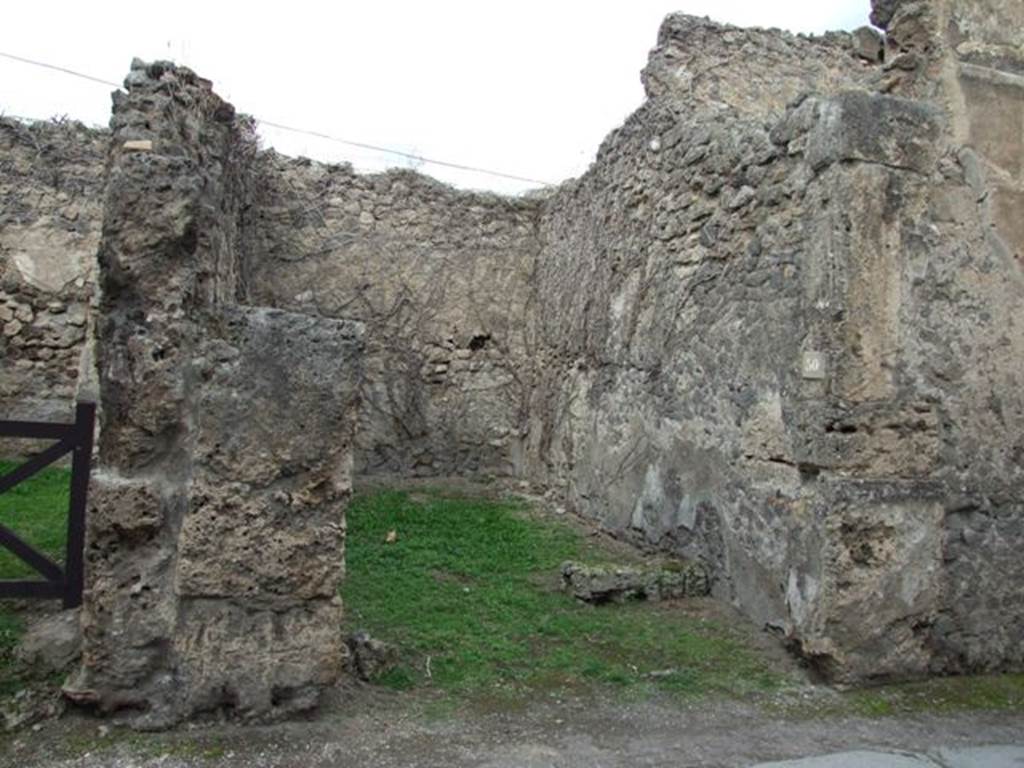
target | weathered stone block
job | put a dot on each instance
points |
(873, 128)
(273, 456)
(617, 584)
(50, 257)
(980, 625)
(869, 44)
(256, 663)
(215, 540)
(260, 549)
(369, 657)
(121, 508)
(264, 368)
(883, 559)
(129, 610)
(995, 111)
(52, 643)
(1007, 204)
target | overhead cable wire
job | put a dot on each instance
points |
(54, 67)
(305, 132)
(399, 153)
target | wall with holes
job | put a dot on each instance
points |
(216, 525)
(784, 337)
(441, 278)
(775, 327)
(51, 196)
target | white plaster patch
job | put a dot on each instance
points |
(800, 600)
(47, 258)
(686, 513)
(651, 499)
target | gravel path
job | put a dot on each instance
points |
(373, 729)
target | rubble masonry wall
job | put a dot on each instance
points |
(774, 328)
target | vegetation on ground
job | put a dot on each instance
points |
(939, 695)
(37, 510)
(467, 588)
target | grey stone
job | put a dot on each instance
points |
(369, 658)
(632, 340)
(872, 128)
(616, 584)
(51, 644)
(882, 12)
(869, 44)
(29, 706)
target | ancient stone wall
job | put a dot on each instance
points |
(985, 80)
(702, 65)
(795, 349)
(442, 279)
(216, 522)
(51, 184)
(774, 328)
(974, 55)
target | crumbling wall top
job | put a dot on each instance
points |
(701, 65)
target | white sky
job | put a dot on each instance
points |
(529, 87)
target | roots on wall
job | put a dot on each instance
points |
(775, 328)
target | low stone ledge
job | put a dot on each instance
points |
(618, 584)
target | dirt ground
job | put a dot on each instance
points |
(368, 727)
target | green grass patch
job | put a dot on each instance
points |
(940, 695)
(467, 590)
(11, 630)
(37, 510)
(119, 742)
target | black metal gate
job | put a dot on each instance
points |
(76, 439)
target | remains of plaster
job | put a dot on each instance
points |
(774, 328)
(51, 190)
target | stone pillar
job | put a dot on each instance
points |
(216, 522)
